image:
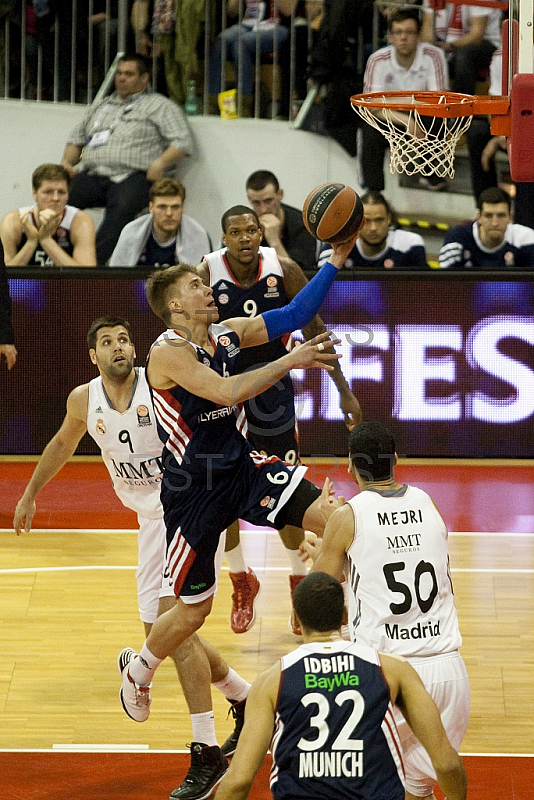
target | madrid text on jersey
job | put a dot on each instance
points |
(420, 631)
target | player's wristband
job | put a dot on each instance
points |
(304, 306)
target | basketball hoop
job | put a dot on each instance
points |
(423, 128)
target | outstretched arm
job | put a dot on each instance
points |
(55, 455)
(176, 364)
(294, 281)
(300, 311)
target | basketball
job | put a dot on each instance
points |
(332, 212)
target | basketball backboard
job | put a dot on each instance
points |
(518, 84)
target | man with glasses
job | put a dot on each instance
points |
(404, 65)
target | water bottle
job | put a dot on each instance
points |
(191, 108)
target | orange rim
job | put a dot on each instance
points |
(434, 104)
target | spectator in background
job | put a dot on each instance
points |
(260, 27)
(283, 227)
(105, 23)
(50, 233)
(165, 235)
(492, 241)
(170, 29)
(467, 34)
(381, 246)
(334, 63)
(405, 64)
(7, 334)
(129, 139)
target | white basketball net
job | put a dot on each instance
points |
(427, 145)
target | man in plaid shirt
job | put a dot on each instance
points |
(123, 144)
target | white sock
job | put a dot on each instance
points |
(233, 687)
(142, 669)
(297, 566)
(204, 728)
(234, 559)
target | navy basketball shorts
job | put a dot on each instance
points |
(259, 489)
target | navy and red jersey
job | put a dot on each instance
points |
(463, 249)
(201, 438)
(274, 409)
(335, 736)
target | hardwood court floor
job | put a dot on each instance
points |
(68, 605)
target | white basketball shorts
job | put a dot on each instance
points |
(153, 580)
(445, 679)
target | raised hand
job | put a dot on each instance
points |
(317, 352)
(271, 226)
(328, 502)
(32, 233)
(49, 222)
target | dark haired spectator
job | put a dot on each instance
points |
(51, 232)
(165, 235)
(493, 241)
(467, 34)
(282, 225)
(405, 64)
(381, 245)
(123, 144)
(7, 334)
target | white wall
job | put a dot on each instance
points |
(227, 152)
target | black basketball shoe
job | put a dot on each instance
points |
(237, 710)
(208, 766)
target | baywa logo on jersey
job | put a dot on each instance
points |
(143, 416)
(100, 427)
(223, 298)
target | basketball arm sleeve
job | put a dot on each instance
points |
(304, 306)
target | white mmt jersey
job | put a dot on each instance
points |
(130, 445)
(400, 590)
